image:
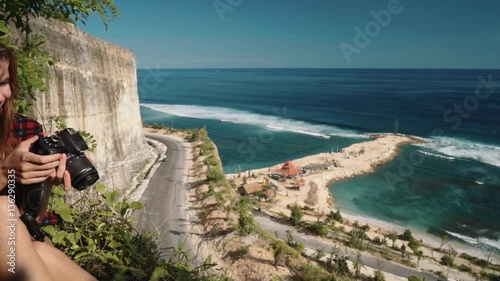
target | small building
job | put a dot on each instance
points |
(268, 193)
(250, 188)
(288, 169)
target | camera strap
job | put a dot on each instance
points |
(33, 198)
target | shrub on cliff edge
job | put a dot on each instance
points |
(100, 237)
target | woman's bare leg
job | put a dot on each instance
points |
(16, 246)
(61, 266)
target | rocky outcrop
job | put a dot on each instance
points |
(94, 88)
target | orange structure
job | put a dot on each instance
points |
(288, 169)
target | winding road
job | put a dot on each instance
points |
(166, 198)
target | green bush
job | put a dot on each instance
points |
(414, 278)
(441, 275)
(212, 161)
(447, 260)
(309, 272)
(215, 174)
(407, 235)
(319, 228)
(464, 268)
(467, 256)
(338, 217)
(296, 215)
(97, 234)
(378, 276)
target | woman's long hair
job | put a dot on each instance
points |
(7, 114)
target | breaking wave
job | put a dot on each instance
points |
(461, 148)
(269, 122)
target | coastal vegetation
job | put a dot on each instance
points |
(99, 234)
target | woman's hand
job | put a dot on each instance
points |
(61, 176)
(31, 168)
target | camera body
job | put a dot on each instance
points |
(68, 141)
(83, 174)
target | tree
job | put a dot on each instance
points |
(419, 255)
(393, 236)
(403, 250)
(338, 217)
(20, 12)
(296, 214)
(407, 235)
(32, 59)
(414, 245)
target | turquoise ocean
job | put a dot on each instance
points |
(263, 117)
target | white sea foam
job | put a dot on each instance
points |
(490, 242)
(461, 148)
(465, 238)
(478, 242)
(269, 122)
(436, 155)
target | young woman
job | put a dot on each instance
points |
(22, 258)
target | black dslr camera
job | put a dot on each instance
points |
(83, 174)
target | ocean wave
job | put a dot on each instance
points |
(462, 148)
(477, 242)
(277, 128)
(436, 155)
(269, 122)
(465, 238)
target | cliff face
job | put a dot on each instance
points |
(94, 88)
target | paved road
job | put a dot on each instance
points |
(166, 198)
(314, 242)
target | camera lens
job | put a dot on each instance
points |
(85, 179)
(83, 173)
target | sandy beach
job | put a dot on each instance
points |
(357, 159)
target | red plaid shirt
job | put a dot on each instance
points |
(24, 128)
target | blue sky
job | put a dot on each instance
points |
(306, 33)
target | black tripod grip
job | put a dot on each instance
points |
(33, 198)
